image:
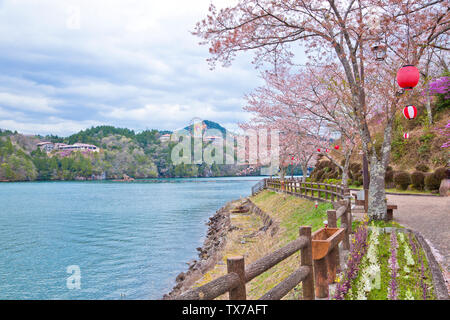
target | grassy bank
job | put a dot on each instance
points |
(289, 213)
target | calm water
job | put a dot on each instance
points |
(129, 239)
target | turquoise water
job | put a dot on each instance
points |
(129, 240)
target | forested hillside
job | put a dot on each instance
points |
(122, 151)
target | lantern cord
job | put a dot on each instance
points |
(407, 26)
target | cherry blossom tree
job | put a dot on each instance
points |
(341, 33)
(309, 95)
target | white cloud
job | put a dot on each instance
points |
(130, 63)
(35, 104)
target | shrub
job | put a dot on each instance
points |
(417, 179)
(402, 179)
(358, 180)
(389, 176)
(442, 173)
(432, 182)
(422, 167)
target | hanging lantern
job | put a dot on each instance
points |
(406, 135)
(318, 150)
(410, 112)
(408, 77)
(316, 204)
(326, 150)
(336, 147)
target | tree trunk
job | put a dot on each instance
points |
(377, 194)
(345, 177)
(428, 106)
(304, 172)
(282, 173)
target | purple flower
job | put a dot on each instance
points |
(358, 248)
(393, 265)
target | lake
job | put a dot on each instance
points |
(129, 240)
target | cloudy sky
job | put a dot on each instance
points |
(69, 65)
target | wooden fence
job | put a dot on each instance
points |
(234, 282)
(309, 190)
(315, 274)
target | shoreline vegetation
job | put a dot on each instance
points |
(253, 227)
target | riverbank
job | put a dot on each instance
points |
(266, 222)
(208, 254)
(271, 221)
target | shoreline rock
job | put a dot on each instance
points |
(209, 253)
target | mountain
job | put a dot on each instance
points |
(208, 125)
(121, 151)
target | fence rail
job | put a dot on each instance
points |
(315, 275)
(238, 275)
(310, 190)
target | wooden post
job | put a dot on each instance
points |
(237, 265)
(349, 214)
(366, 200)
(345, 220)
(321, 278)
(306, 260)
(333, 256)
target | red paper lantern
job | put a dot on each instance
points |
(318, 150)
(326, 150)
(336, 147)
(410, 112)
(406, 135)
(408, 77)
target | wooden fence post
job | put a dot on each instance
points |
(306, 260)
(237, 265)
(333, 256)
(346, 240)
(321, 278)
(349, 212)
(366, 200)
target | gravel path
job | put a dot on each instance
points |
(431, 217)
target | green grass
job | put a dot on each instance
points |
(290, 212)
(408, 279)
(395, 190)
(377, 223)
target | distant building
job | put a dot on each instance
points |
(46, 146)
(165, 137)
(79, 147)
(49, 146)
(216, 140)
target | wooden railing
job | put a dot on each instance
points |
(234, 282)
(310, 190)
(315, 275)
(324, 269)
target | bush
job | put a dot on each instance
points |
(402, 179)
(422, 167)
(442, 173)
(432, 182)
(417, 179)
(389, 176)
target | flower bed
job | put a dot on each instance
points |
(385, 266)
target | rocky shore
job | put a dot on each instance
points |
(208, 255)
(211, 251)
